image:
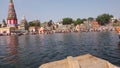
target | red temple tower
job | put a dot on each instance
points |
(12, 18)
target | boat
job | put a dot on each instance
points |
(84, 61)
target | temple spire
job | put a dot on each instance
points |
(12, 17)
(11, 1)
(11, 11)
(23, 18)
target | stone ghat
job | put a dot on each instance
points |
(85, 61)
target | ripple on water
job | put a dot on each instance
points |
(30, 51)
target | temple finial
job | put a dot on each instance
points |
(23, 17)
(11, 1)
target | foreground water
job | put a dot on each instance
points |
(33, 50)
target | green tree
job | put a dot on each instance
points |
(90, 19)
(67, 21)
(84, 19)
(104, 19)
(31, 23)
(50, 23)
(115, 21)
(78, 21)
(34, 23)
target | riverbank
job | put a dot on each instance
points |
(58, 31)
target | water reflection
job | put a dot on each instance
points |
(13, 44)
(9, 51)
(42, 40)
(12, 49)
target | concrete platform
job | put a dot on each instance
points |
(85, 61)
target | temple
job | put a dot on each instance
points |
(9, 26)
(23, 24)
(3, 23)
(12, 17)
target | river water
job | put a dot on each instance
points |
(30, 51)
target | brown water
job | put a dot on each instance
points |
(33, 50)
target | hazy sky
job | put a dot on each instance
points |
(45, 10)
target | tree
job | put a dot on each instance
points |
(34, 23)
(50, 23)
(31, 23)
(84, 19)
(67, 21)
(115, 21)
(104, 19)
(78, 21)
(90, 19)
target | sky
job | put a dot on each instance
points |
(56, 10)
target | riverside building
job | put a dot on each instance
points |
(12, 23)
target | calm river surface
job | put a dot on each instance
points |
(31, 51)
